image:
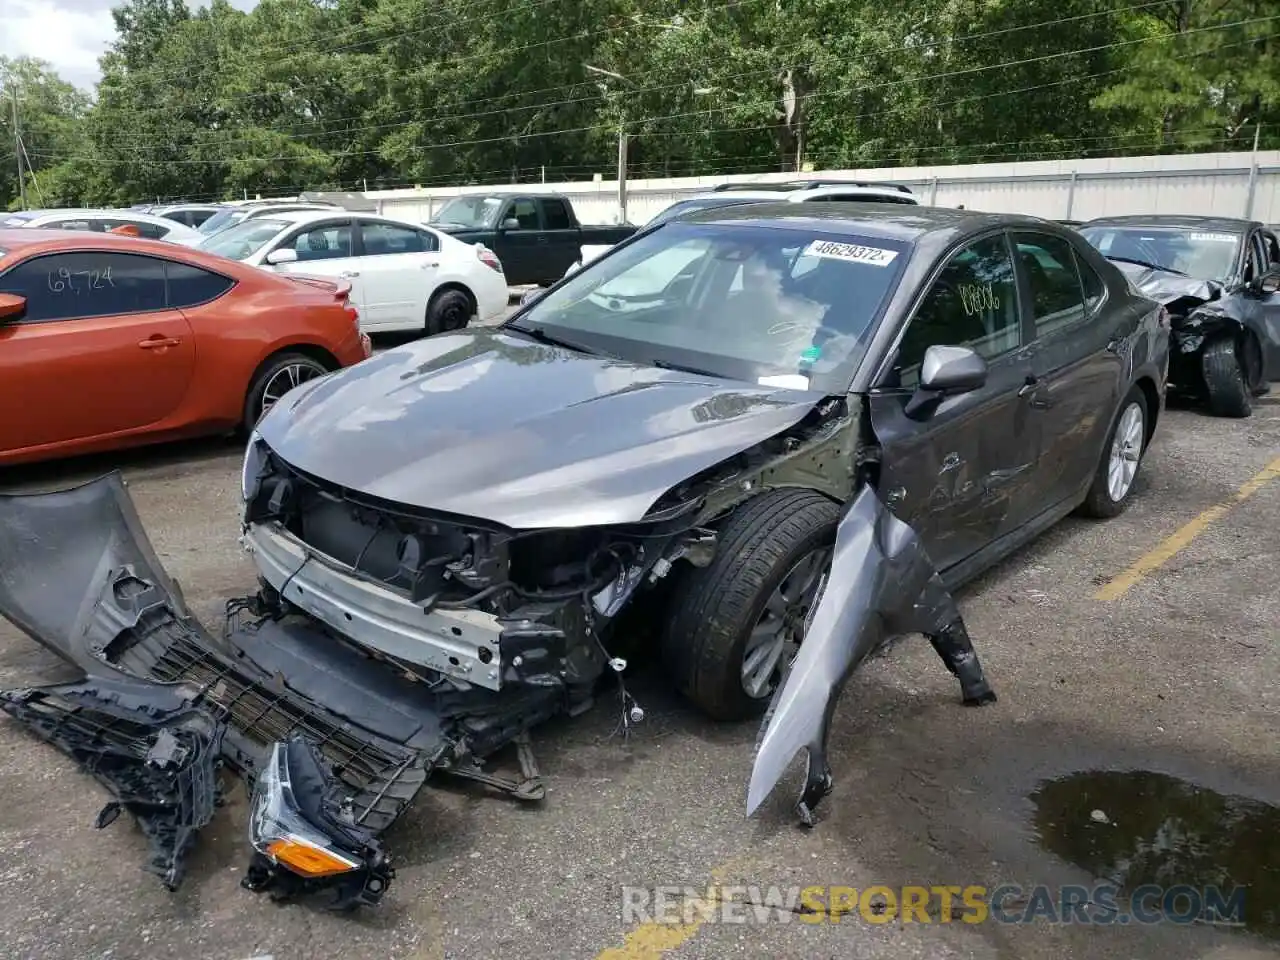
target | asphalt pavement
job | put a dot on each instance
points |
(1145, 645)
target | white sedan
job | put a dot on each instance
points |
(131, 222)
(403, 276)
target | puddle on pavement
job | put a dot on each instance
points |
(1137, 827)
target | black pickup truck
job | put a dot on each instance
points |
(537, 237)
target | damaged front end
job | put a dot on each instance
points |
(881, 584)
(1197, 312)
(164, 706)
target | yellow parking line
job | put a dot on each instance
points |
(652, 940)
(1161, 555)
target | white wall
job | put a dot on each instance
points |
(1204, 183)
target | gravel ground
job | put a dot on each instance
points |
(1177, 675)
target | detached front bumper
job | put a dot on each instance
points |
(164, 705)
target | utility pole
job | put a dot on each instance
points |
(17, 142)
(622, 173)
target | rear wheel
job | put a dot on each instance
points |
(279, 375)
(1121, 459)
(735, 624)
(448, 310)
(1226, 379)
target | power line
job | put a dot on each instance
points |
(611, 127)
(328, 50)
(848, 61)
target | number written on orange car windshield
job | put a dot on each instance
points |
(63, 280)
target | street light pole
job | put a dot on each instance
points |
(622, 141)
(17, 142)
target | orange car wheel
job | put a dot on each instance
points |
(280, 374)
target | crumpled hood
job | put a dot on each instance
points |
(1166, 287)
(492, 425)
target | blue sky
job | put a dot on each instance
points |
(69, 34)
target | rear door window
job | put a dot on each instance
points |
(1048, 265)
(65, 286)
(555, 214)
(380, 239)
(191, 286)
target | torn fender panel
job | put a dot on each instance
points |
(881, 584)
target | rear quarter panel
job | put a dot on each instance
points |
(236, 333)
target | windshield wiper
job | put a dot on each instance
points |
(684, 368)
(1147, 264)
(540, 334)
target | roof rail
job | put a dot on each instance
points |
(726, 187)
(788, 185)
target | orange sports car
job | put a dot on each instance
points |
(110, 341)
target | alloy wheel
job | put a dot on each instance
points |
(287, 378)
(777, 634)
(1126, 451)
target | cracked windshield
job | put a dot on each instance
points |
(786, 308)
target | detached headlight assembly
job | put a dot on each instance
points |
(304, 839)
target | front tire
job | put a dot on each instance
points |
(277, 377)
(734, 624)
(1224, 376)
(1121, 459)
(448, 310)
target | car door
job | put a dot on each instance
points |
(1077, 361)
(1264, 256)
(327, 249)
(522, 250)
(563, 238)
(98, 352)
(397, 266)
(958, 472)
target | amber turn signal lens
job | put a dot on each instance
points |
(308, 860)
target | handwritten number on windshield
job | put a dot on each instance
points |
(63, 280)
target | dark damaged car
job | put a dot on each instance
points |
(1219, 278)
(776, 437)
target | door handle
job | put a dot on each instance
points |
(430, 266)
(1029, 387)
(542, 239)
(350, 274)
(155, 343)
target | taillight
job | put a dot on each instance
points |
(488, 257)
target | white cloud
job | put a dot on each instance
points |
(68, 34)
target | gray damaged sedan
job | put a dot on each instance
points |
(775, 437)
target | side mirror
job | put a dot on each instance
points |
(511, 223)
(12, 307)
(530, 296)
(945, 372)
(1268, 283)
(283, 255)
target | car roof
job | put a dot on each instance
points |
(23, 240)
(73, 213)
(1221, 224)
(296, 217)
(807, 195)
(905, 222)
